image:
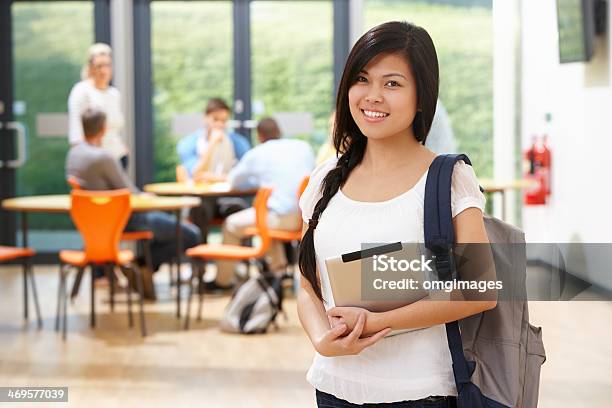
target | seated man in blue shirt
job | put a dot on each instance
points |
(211, 151)
(208, 154)
(278, 163)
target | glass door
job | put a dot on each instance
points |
(48, 49)
(192, 61)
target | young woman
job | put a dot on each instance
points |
(374, 193)
(95, 91)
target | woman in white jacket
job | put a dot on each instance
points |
(95, 91)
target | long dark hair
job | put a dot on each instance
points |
(409, 41)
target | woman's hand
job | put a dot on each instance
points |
(349, 316)
(334, 343)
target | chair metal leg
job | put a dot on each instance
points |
(138, 277)
(60, 297)
(110, 273)
(34, 294)
(201, 270)
(190, 295)
(177, 274)
(77, 282)
(130, 277)
(92, 321)
(25, 289)
(65, 305)
(179, 253)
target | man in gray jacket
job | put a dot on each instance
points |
(96, 169)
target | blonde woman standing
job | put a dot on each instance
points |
(94, 91)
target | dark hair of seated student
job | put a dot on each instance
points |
(216, 104)
(268, 129)
(94, 122)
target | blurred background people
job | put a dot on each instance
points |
(95, 169)
(211, 151)
(95, 91)
(278, 163)
(208, 154)
(441, 138)
(327, 149)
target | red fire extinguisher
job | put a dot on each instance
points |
(538, 160)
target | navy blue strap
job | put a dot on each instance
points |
(439, 239)
(460, 365)
(438, 218)
(439, 233)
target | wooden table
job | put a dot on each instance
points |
(61, 203)
(140, 203)
(200, 189)
(499, 186)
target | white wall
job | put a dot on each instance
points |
(506, 39)
(579, 96)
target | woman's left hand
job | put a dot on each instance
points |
(349, 316)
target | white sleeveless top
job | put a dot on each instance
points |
(407, 366)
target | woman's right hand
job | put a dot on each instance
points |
(334, 343)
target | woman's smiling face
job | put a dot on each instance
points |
(383, 99)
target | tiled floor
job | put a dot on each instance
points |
(113, 365)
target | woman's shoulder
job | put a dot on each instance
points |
(321, 170)
(80, 88)
(465, 190)
(319, 173)
(464, 174)
(113, 91)
(312, 193)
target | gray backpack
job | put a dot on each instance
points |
(496, 354)
(254, 306)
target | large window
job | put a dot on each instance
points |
(292, 48)
(192, 62)
(48, 54)
(192, 56)
(462, 31)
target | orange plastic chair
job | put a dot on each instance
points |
(291, 237)
(134, 236)
(8, 254)
(283, 235)
(73, 182)
(204, 252)
(100, 217)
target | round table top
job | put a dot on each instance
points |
(497, 186)
(61, 203)
(202, 189)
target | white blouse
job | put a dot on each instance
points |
(85, 95)
(408, 366)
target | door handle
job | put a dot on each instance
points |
(21, 145)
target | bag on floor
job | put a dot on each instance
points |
(496, 354)
(254, 306)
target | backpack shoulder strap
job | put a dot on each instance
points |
(439, 239)
(439, 232)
